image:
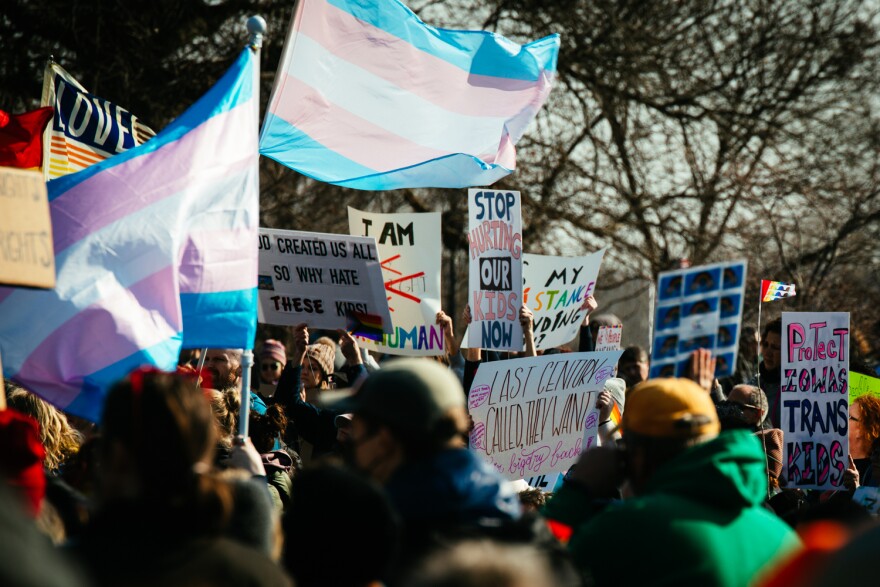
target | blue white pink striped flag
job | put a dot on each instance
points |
(155, 247)
(367, 96)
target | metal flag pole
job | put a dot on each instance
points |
(256, 27)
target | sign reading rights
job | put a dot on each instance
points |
(495, 283)
(319, 279)
(534, 416)
(27, 256)
(815, 398)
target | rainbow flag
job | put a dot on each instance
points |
(367, 96)
(155, 248)
(776, 290)
(616, 415)
(366, 325)
(85, 129)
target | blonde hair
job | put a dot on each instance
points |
(61, 441)
(225, 405)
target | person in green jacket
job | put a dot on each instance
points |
(694, 516)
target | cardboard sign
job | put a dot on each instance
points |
(698, 307)
(319, 279)
(27, 255)
(554, 289)
(495, 284)
(815, 398)
(863, 385)
(536, 415)
(409, 248)
(609, 338)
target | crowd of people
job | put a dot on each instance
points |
(374, 484)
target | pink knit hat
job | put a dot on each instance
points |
(272, 349)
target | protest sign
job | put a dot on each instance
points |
(609, 338)
(27, 256)
(862, 385)
(814, 396)
(320, 279)
(535, 415)
(698, 307)
(495, 283)
(554, 289)
(409, 250)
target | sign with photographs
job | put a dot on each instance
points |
(698, 307)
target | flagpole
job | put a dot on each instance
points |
(256, 27)
(760, 339)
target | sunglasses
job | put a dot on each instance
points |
(270, 366)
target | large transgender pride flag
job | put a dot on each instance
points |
(368, 96)
(155, 247)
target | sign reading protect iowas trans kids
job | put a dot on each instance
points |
(536, 415)
(555, 288)
(409, 251)
(815, 398)
(320, 279)
(495, 283)
(698, 307)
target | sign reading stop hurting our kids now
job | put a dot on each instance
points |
(815, 398)
(495, 284)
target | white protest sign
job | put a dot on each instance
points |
(555, 288)
(815, 398)
(531, 415)
(319, 279)
(409, 249)
(609, 338)
(495, 282)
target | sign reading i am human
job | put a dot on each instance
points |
(495, 283)
(409, 248)
(536, 415)
(698, 307)
(554, 290)
(815, 398)
(320, 279)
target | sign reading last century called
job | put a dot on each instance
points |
(320, 279)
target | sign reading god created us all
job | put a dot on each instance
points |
(536, 415)
(320, 279)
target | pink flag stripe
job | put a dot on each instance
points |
(87, 202)
(413, 70)
(95, 337)
(359, 142)
(212, 261)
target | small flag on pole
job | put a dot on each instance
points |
(776, 290)
(368, 96)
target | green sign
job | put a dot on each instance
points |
(862, 384)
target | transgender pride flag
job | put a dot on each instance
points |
(154, 247)
(368, 96)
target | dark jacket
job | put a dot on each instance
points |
(700, 521)
(315, 425)
(770, 382)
